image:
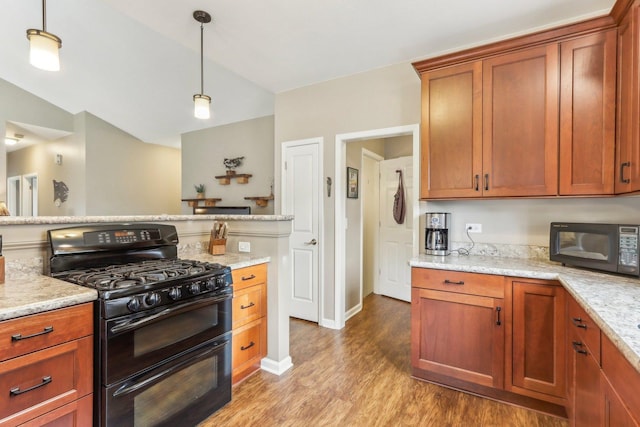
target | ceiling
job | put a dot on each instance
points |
(136, 64)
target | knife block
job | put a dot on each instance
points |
(217, 246)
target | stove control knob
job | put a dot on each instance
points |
(134, 304)
(175, 294)
(194, 288)
(211, 284)
(220, 281)
(152, 299)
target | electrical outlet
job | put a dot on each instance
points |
(473, 228)
(244, 247)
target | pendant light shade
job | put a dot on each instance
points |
(201, 101)
(44, 46)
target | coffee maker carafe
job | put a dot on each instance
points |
(437, 233)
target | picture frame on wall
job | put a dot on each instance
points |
(352, 183)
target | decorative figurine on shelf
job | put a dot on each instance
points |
(231, 164)
(199, 191)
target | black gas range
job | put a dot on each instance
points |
(162, 324)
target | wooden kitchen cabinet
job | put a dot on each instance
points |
(614, 411)
(627, 173)
(587, 114)
(624, 380)
(520, 123)
(249, 320)
(583, 366)
(451, 132)
(458, 333)
(536, 346)
(46, 368)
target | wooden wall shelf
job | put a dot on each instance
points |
(261, 201)
(196, 202)
(241, 178)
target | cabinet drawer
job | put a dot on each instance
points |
(584, 327)
(454, 281)
(30, 333)
(74, 414)
(41, 381)
(249, 304)
(249, 276)
(249, 347)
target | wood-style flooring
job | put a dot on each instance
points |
(360, 376)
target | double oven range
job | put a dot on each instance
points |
(162, 324)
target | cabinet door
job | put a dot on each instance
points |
(538, 341)
(614, 412)
(586, 385)
(628, 141)
(451, 162)
(520, 123)
(587, 114)
(458, 335)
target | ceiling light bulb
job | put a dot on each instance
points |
(10, 141)
(43, 52)
(201, 106)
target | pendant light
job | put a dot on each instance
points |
(201, 101)
(43, 52)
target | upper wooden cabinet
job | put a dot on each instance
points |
(520, 123)
(533, 116)
(627, 179)
(587, 114)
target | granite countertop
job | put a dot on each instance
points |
(25, 292)
(26, 220)
(612, 301)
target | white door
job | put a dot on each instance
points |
(302, 198)
(396, 240)
(30, 195)
(14, 195)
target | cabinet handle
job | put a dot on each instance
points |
(251, 344)
(577, 346)
(486, 182)
(16, 390)
(498, 310)
(477, 182)
(577, 322)
(243, 307)
(449, 282)
(253, 276)
(19, 337)
(622, 178)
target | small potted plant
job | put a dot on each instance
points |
(199, 191)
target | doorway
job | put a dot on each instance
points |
(341, 223)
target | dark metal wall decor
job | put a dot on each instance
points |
(60, 191)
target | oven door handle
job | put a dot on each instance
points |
(130, 386)
(128, 325)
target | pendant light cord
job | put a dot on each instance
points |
(201, 58)
(44, 15)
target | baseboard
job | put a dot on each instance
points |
(326, 323)
(277, 368)
(355, 310)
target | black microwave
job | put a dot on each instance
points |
(605, 247)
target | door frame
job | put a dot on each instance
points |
(283, 203)
(340, 205)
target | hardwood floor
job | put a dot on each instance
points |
(360, 376)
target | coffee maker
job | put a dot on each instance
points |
(437, 233)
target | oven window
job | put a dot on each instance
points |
(163, 334)
(175, 393)
(584, 245)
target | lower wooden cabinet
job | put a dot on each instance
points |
(46, 368)
(458, 335)
(536, 344)
(614, 411)
(249, 320)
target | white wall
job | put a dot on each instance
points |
(382, 98)
(203, 153)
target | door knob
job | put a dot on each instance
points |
(311, 242)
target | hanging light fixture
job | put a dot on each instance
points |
(43, 52)
(201, 101)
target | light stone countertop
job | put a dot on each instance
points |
(26, 220)
(612, 301)
(25, 292)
